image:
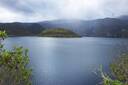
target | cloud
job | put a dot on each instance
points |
(37, 10)
(17, 5)
(7, 15)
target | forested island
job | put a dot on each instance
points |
(59, 32)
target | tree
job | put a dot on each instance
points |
(14, 68)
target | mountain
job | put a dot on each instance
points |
(21, 29)
(107, 27)
(124, 17)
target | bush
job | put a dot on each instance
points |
(108, 81)
(13, 65)
(119, 71)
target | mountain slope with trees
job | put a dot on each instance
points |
(107, 27)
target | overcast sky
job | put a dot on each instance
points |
(41, 10)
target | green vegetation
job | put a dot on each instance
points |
(58, 33)
(3, 34)
(119, 70)
(14, 68)
(107, 80)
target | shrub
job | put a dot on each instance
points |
(108, 81)
(14, 68)
(119, 71)
(120, 68)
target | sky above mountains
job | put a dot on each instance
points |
(41, 10)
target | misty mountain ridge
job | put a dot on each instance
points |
(112, 27)
(107, 27)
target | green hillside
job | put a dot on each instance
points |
(59, 32)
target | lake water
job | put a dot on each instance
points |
(69, 61)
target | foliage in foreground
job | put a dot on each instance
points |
(13, 65)
(119, 70)
(107, 80)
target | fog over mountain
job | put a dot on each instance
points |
(106, 27)
(41, 10)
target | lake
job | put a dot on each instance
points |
(69, 61)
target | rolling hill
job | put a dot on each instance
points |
(21, 29)
(107, 27)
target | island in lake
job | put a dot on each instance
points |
(58, 32)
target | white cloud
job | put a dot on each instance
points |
(78, 8)
(8, 16)
(37, 10)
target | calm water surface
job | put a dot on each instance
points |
(69, 61)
